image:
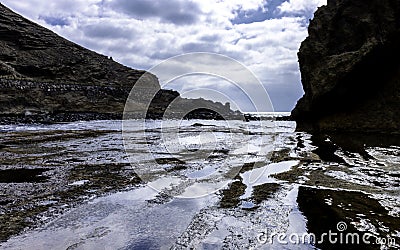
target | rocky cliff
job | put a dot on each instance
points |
(28, 50)
(350, 68)
(46, 78)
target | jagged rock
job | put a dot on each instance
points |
(350, 67)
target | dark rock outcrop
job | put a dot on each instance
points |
(46, 78)
(350, 67)
(170, 105)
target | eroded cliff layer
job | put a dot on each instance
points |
(350, 68)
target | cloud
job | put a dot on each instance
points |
(33, 9)
(108, 31)
(179, 12)
(263, 35)
(54, 21)
(301, 6)
(210, 38)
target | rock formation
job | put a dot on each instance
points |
(350, 67)
(46, 78)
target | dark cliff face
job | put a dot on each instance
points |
(350, 67)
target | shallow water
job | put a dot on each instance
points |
(193, 184)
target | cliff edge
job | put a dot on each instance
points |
(350, 68)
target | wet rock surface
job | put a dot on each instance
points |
(357, 210)
(350, 68)
(45, 172)
(304, 184)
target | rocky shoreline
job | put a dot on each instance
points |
(47, 172)
(22, 102)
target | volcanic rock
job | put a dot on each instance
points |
(350, 68)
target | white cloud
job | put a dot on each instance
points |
(142, 33)
(301, 6)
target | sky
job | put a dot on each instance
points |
(263, 35)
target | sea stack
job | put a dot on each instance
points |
(350, 68)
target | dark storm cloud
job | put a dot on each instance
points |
(179, 12)
(106, 31)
